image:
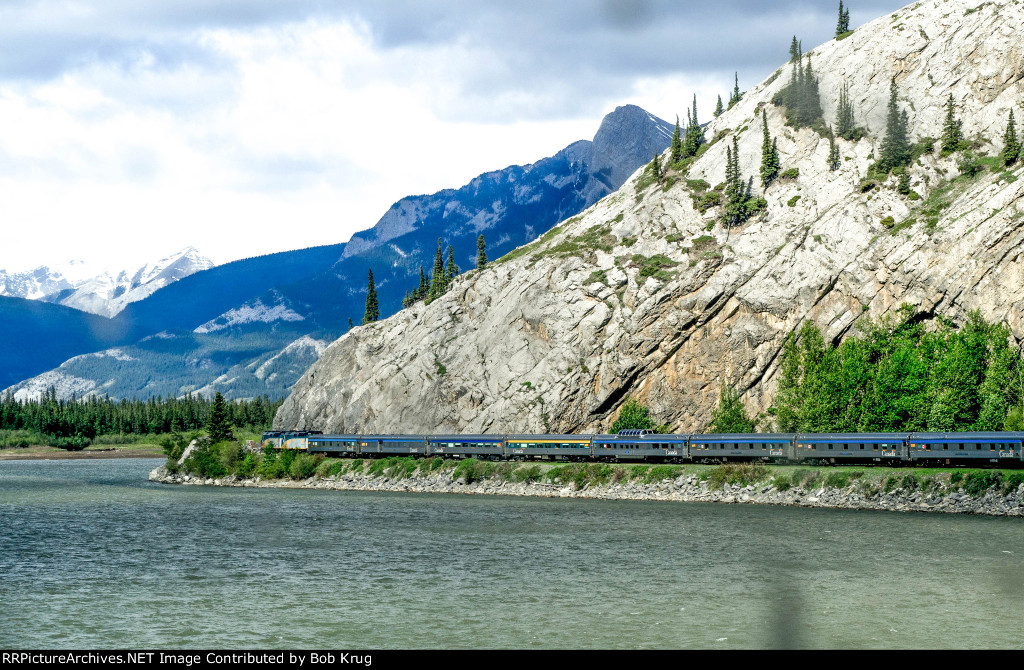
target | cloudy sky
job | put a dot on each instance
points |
(132, 128)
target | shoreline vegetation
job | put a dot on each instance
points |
(957, 491)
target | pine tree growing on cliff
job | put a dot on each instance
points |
(218, 427)
(843, 25)
(481, 252)
(846, 125)
(794, 51)
(833, 154)
(736, 95)
(719, 108)
(769, 154)
(895, 151)
(1011, 143)
(677, 142)
(451, 269)
(952, 130)
(372, 312)
(437, 287)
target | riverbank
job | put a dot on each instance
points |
(883, 489)
(44, 453)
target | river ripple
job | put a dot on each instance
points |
(92, 555)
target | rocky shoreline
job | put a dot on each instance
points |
(686, 488)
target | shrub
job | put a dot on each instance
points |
(888, 222)
(791, 173)
(837, 479)
(707, 201)
(304, 466)
(246, 467)
(977, 483)
(270, 467)
(737, 473)
(792, 201)
(529, 473)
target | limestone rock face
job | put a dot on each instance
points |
(644, 295)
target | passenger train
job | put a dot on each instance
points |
(641, 446)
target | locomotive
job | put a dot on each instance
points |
(993, 449)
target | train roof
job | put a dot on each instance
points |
(851, 437)
(548, 438)
(968, 437)
(329, 438)
(465, 438)
(744, 437)
(649, 437)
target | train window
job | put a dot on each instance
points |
(979, 447)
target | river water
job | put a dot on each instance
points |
(94, 556)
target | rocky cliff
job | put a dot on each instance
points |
(643, 294)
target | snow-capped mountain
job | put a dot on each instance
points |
(100, 291)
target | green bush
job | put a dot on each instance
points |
(977, 483)
(247, 466)
(304, 466)
(791, 173)
(270, 467)
(528, 473)
(837, 479)
(204, 462)
(742, 474)
(792, 201)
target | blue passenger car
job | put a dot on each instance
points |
(852, 447)
(641, 446)
(966, 448)
(548, 447)
(392, 445)
(741, 447)
(489, 447)
(334, 445)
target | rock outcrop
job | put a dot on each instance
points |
(643, 294)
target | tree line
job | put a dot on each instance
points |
(893, 376)
(93, 416)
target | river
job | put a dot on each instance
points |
(92, 555)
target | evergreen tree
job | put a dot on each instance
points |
(731, 415)
(769, 154)
(372, 312)
(694, 133)
(481, 252)
(903, 188)
(719, 108)
(794, 51)
(423, 290)
(736, 95)
(1011, 143)
(952, 130)
(437, 287)
(451, 270)
(218, 427)
(677, 143)
(895, 150)
(735, 193)
(350, 324)
(655, 167)
(833, 154)
(846, 126)
(633, 416)
(810, 99)
(843, 26)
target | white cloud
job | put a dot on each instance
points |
(297, 135)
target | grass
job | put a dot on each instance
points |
(654, 266)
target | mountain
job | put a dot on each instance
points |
(40, 335)
(258, 335)
(106, 292)
(645, 294)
